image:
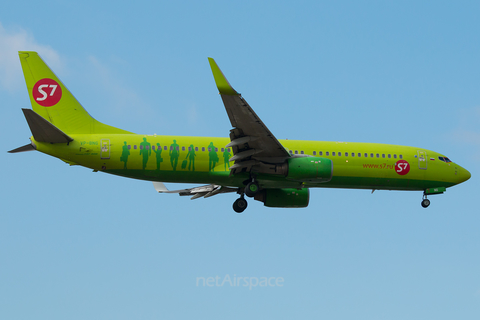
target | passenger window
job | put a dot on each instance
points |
(378, 156)
(371, 155)
(135, 147)
(228, 149)
(394, 156)
(314, 153)
(196, 148)
(153, 147)
(223, 149)
(320, 153)
(301, 152)
(353, 154)
(339, 154)
(183, 148)
(359, 154)
(203, 148)
(216, 149)
(400, 156)
(333, 153)
(383, 155)
(327, 153)
(389, 156)
(296, 151)
(141, 147)
(291, 152)
(129, 147)
(165, 148)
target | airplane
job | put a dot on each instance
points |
(251, 161)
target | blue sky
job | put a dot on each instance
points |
(81, 245)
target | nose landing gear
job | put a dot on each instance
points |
(430, 192)
(425, 201)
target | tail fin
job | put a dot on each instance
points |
(52, 100)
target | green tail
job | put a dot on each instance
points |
(53, 101)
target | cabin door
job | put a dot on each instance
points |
(422, 159)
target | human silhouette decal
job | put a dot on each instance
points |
(125, 154)
(212, 157)
(174, 154)
(158, 152)
(226, 158)
(191, 158)
(145, 151)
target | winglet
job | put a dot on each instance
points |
(223, 85)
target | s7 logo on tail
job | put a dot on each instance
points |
(47, 92)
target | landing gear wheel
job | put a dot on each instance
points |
(425, 203)
(251, 189)
(240, 205)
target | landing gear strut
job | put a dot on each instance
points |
(240, 204)
(251, 189)
(425, 201)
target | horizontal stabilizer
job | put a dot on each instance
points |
(44, 131)
(28, 147)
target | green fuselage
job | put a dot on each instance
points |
(205, 160)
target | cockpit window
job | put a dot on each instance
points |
(444, 159)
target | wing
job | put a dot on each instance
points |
(197, 192)
(253, 145)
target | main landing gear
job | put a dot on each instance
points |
(250, 190)
(240, 204)
(425, 201)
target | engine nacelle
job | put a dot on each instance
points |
(314, 169)
(284, 198)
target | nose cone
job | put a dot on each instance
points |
(463, 175)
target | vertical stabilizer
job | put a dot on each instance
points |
(53, 101)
